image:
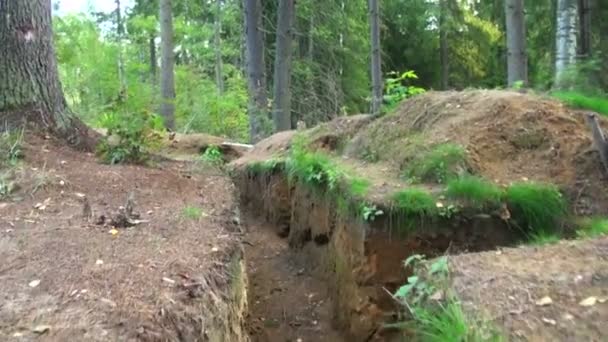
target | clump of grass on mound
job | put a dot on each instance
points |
(593, 228)
(266, 166)
(415, 202)
(580, 100)
(540, 207)
(314, 169)
(441, 163)
(359, 186)
(474, 190)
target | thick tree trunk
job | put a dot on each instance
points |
(517, 59)
(376, 63)
(219, 73)
(443, 45)
(167, 76)
(256, 77)
(29, 83)
(282, 66)
(584, 13)
(566, 34)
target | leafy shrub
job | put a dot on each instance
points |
(213, 155)
(369, 212)
(475, 190)
(440, 164)
(593, 228)
(415, 202)
(540, 207)
(313, 168)
(396, 90)
(129, 137)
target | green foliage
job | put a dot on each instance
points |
(129, 138)
(313, 168)
(593, 228)
(369, 212)
(440, 164)
(576, 99)
(359, 186)
(415, 202)
(213, 155)
(396, 91)
(539, 207)
(266, 166)
(192, 213)
(475, 191)
(428, 278)
(10, 148)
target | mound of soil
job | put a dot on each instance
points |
(65, 275)
(555, 293)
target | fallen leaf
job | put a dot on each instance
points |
(437, 296)
(549, 321)
(589, 301)
(34, 283)
(41, 329)
(18, 334)
(109, 302)
(568, 316)
(544, 301)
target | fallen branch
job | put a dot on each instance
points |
(599, 140)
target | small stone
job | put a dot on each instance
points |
(41, 329)
(61, 182)
(99, 262)
(168, 280)
(215, 249)
(544, 301)
(589, 301)
(34, 283)
(549, 321)
(568, 316)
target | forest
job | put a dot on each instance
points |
(439, 45)
(311, 170)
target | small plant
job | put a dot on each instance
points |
(543, 238)
(396, 90)
(415, 202)
(370, 212)
(129, 137)
(313, 168)
(213, 155)
(10, 148)
(442, 163)
(475, 191)
(428, 278)
(540, 206)
(192, 213)
(593, 228)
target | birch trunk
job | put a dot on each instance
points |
(517, 59)
(566, 35)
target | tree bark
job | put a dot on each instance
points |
(517, 59)
(376, 62)
(167, 76)
(566, 34)
(584, 13)
(30, 90)
(152, 47)
(282, 66)
(122, 95)
(256, 77)
(219, 74)
(443, 45)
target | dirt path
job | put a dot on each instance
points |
(286, 302)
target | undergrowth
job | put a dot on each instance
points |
(579, 100)
(213, 156)
(539, 207)
(594, 227)
(440, 164)
(10, 148)
(415, 202)
(542, 238)
(476, 191)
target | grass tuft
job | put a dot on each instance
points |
(446, 323)
(313, 168)
(540, 206)
(594, 228)
(474, 190)
(10, 148)
(359, 186)
(442, 163)
(415, 202)
(192, 213)
(579, 100)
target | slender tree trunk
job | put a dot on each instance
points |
(584, 13)
(443, 45)
(29, 83)
(566, 34)
(219, 74)
(256, 76)
(122, 95)
(152, 47)
(517, 59)
(167, 76)
(376, 65)
(282, 66)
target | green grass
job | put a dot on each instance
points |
(415, 202)
(313, 168)
(441, 163)
(540, 207)
(10, 148)
(213, 155)
(542, 238)
(266, 166)
(595, 227)
(192, 213)
(359, 186)
(579, 100)
(475, 191)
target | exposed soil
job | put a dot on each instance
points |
(65, 276)
(287, 301)
(507, 287)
